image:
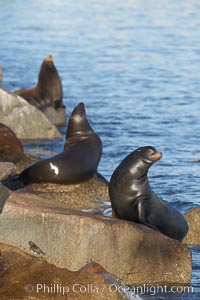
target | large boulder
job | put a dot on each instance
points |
(26, 161)
(91, 195)
(193, 219)
(6, 169)
(24, 276)
(24, 119)
(56, 116)
(88, 195)
(70, 239)
(11, 148)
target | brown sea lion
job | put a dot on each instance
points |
(11, 148)
(47, 94)
(79, 160)
(133, 199)
(48, 90)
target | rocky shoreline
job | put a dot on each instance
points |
(24, 119)
(67, 238)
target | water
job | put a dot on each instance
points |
(135, 64)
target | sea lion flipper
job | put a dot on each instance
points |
(142, 217)
(114, 215)
(150, 226)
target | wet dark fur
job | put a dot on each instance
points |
(79, 160)
(133, 199)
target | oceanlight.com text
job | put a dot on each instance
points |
(76, 288)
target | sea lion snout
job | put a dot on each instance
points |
(155, 156)
(150, 153)
(49, 58)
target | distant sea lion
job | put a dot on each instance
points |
(48, 91)
(79, 160)
(133, 199)
(11, 148)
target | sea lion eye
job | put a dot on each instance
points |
(150, 151)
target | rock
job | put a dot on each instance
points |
(56, 116)
(26, 160)
(24, 119)
(87, 195)
(11, 169)
(40, 152)
(4, 194)
(91, 195)
(24, 276)
(193, 219)
(92, 267)
(70, 239)
(6, 169)
(11, 148)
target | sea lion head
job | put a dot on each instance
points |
(48, 62)
(47, 68)
(78, 126)
(148, 154)
(140, 160)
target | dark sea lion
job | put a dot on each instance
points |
(79, 160)
(133, 199)
(48, 91)
(11, 148)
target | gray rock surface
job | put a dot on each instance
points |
(56, 116)
(23, 275)
(6, 169)
(24, 119)
(70, 239)
(88, 196)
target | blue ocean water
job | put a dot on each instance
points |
(136, 66)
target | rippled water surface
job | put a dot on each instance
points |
(136, 66)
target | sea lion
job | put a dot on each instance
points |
(79, 160)
(133, 199)
(11, 148)
(48, 90)
(47, 94)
